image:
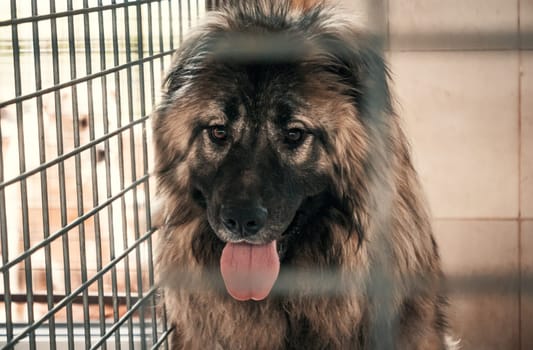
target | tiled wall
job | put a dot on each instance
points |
(463, 73)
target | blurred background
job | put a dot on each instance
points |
(463, 79)
(463, 73)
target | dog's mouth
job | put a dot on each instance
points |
(250, 270)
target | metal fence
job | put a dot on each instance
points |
(79, 80)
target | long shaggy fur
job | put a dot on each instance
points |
(362, 230)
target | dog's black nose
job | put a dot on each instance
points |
(243, 221)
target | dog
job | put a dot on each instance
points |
(290, 214)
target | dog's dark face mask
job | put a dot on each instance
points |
(257, 164)
(258, 160)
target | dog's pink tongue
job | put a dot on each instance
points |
(249, 271)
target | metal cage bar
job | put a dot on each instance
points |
(44, 180)
(81, 269)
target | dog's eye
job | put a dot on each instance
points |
(294, 136)
(218, 133)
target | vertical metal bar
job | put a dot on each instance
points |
(61, 174)
(83, 250)
(197, 10)
(140, 50)
(124, 227)
(123, 200)
(78, 180)
(161, 45)
(140, 54)
(151, 53)
(108, 178)
(116, 62)
(44, 180)
(147, 197)
(171, 25)
(22, 169)
(180, 20)
(5, 250)
(94, 175)
(165, 324)
(189, 17)
(162, 70)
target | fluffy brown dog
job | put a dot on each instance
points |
(291, 215)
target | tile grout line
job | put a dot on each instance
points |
(456, 50)
(482, 219)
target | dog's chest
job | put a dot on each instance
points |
(273, 326)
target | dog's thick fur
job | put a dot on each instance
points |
(350, 213)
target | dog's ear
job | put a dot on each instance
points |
(196, 54)
(369, 76)
(357, 59)
(188, 60)
(176, 75)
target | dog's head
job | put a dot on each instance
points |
(266, 121)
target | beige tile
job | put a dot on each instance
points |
(460, 111)
(453, 24)
(480, 261)
(526, 23)
(370, 13)
(526, 181)
(527, 285)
